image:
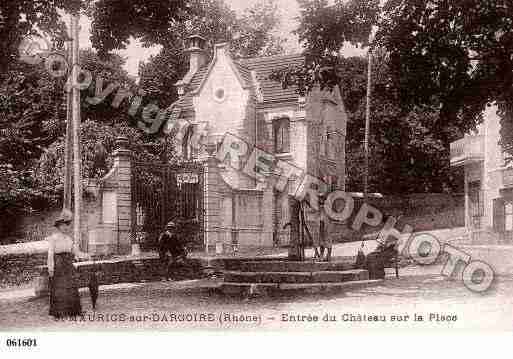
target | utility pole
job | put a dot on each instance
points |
(75, 91)
(68, 144)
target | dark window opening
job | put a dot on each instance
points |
(476, 203)
(281, 132)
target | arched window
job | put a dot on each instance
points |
(281, 134)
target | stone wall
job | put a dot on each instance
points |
(423, 211)
(20, 269)
(38, 225)
(134, 270)
(25, 270)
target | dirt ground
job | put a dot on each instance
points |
(394, 303)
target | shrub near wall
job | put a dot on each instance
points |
(424, 212)
(35, 226)
(20, 269)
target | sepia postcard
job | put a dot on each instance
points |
(255, 165)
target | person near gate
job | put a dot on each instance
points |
(170, 243)
(64, 296)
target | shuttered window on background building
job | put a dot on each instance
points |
(498, 215)
(281, 129)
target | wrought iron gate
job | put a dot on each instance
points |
(163, 193)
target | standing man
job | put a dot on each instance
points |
(325, 241)
(167, 241)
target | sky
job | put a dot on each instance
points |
(135, 53)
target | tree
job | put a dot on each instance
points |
(114, 22)
(168, 23)
(32, 128)
(101, 123)
(255, 31)
(457, 53)
(250, 35)
(407, 155)
(98, 144)
(30, 107)
(19, 19)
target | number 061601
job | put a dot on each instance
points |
(21, 342)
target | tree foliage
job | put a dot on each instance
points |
(442, 63)
(168, 23)
(455, 53)
(407, 154)
(32, 105)
(32, 129)
(19, 19)
(249, 35)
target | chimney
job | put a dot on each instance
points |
(197, 58)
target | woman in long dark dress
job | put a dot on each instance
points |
(64, 296)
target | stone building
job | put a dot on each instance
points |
(223, 95)
(488, 182)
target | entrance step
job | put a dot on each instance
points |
(292, 266)
(296, 277)
(248, 289)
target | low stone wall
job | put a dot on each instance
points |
(423, 212)
(36, 226)
(25, 270)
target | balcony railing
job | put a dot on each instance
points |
(467, 150)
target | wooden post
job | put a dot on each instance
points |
(295, 228)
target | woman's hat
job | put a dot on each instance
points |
(65, 217)
(170, 224)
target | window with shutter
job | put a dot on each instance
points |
(508, 216)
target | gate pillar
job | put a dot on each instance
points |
(212, 203)
(112, 235)
(122, 161)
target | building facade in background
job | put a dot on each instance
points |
(223, 95)
(488, 182)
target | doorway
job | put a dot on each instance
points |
(476, 208)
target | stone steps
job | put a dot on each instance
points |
(273, 276)
(296, 277)
(248, 289)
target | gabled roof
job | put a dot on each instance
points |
(239, 72)
(272, 92)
